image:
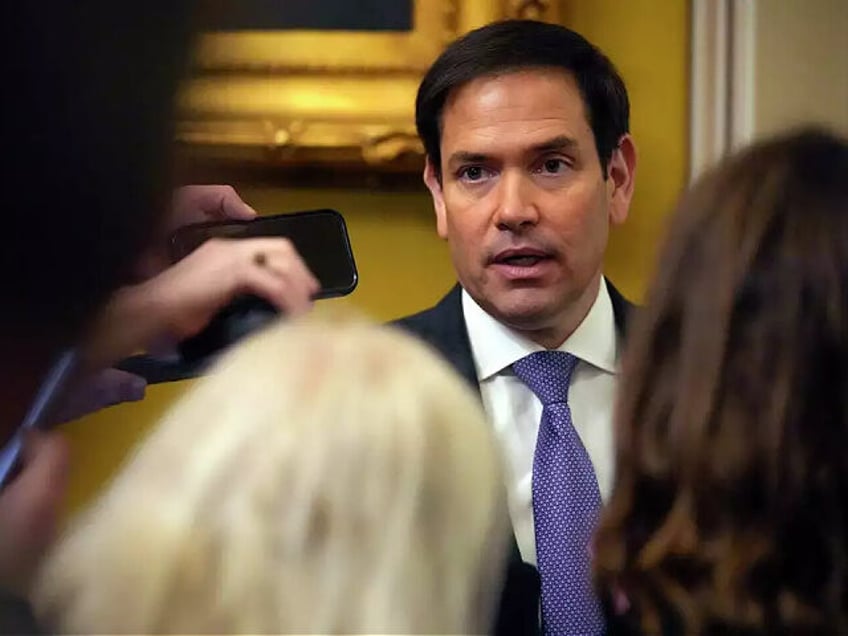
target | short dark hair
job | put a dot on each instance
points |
(516, 45)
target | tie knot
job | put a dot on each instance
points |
(547, 374)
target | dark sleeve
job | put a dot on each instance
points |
(16, 616)
(628, 623)
(518, 613)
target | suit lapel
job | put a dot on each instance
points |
(450, 336)
(622, 309)
(462, 358)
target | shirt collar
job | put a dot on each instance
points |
(495, 346)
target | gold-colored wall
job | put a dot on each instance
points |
(404, 267)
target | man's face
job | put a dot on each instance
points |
(523, 202)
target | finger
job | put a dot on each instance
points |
(203, 202)
(286, 263)
(294, 270)
(296, 296)
(274, 287)
(232, 206)
(280, 255)
(295, 276)
(103, 389)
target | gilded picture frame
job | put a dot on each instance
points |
(317, 97)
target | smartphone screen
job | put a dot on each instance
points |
(320, 237)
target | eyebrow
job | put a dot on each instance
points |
(561, 142)
(463, 156)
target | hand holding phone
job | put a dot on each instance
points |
(319, 236)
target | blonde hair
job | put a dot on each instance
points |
(325, 479)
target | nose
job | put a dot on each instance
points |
(515, 207)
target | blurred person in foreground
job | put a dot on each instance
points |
(730, 509)
(326, 478)
(87, 128)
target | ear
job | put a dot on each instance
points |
(432, 183)
(621, 179)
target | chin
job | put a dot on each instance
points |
(527, 323)
(523, 308)
(525, 316)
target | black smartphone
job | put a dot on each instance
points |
(320, 237)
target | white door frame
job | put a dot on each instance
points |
(721, 90)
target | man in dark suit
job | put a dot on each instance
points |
(529, 163)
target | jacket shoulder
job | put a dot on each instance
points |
(433, 322)
(419, 323)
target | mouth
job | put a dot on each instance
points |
(521, 257)
(522, 265)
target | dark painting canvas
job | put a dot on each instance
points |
(321, 15)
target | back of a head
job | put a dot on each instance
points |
(327, 479)
(86, 128)
(731, 506)
(519, 45)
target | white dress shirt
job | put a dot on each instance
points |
(515, 412)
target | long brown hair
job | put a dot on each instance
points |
(730, 510)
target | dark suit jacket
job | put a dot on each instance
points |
(443, 327)
(16, 616)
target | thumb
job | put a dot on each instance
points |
(234, 207)
(196, 203)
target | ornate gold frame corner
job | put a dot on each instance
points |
(321, 97)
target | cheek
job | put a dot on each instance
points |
(461, 235)
(590, 237)
(584, 226)
(465, 222)
(459, 199)
(466, 245)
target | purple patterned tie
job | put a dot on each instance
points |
(566, 501)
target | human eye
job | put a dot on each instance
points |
(553, 166)
(473, 174)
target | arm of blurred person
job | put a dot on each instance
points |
(29, 509)
(175, 302)
(98, 390)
